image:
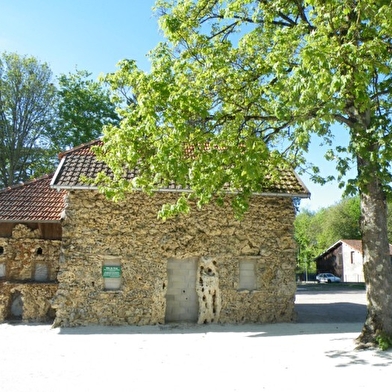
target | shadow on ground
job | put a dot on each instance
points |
(338, 312)
(251, 330)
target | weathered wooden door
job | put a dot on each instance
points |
(181, 297)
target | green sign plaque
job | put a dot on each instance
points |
(111, 271)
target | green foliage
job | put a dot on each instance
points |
(84, 107)
(384, 341)
(37, 120)
(26, 118)
(255, 79)
(340, 221)
(304, 235)
(317, 231)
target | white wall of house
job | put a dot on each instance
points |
(352, 264)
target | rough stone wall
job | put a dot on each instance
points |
(96, 230)
(21, 255)
(35, 299)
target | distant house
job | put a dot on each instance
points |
(30, 242)
(343, 259)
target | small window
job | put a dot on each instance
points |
(1, 250)
(111, 273)
(39, 251)
(41, 273)
(247, 275)
(2, 270)
(352, 257)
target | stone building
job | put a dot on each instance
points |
(119, 264)
(30, 241)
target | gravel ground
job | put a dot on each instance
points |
(305, 356)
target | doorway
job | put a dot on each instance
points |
(182, 303)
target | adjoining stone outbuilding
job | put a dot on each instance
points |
(30, 242)
(120, 264)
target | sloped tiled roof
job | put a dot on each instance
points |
(81, 162)
(33, 201)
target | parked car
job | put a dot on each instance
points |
(327, 278)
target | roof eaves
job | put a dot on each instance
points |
(283, 194)
(307, 191)
(55, 175)
(167, 190)
(29, 221)
(74, 187)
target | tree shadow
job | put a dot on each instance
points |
(373, 357)
(251, 330)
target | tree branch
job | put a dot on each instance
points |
(343, 120)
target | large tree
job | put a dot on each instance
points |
(84, 107)
(254, 80)
(27, 98)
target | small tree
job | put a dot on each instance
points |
(27, 98)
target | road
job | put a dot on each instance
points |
(333, 303)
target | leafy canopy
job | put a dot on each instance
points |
(254, 79)
(83, 107)
(38, 120)
(26, 118)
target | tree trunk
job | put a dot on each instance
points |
(376, 260)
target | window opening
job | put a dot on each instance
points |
(247, 280)
(41, 273)
(2, 270)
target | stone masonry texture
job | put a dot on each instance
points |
(97, 231)
(21, 254)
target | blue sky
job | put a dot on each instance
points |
(94, 35)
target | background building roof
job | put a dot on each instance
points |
(32, 201)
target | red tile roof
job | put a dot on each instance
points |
(81, 162)
(32, 201)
